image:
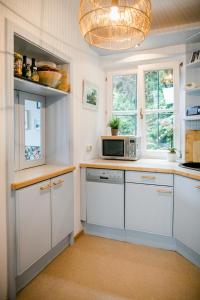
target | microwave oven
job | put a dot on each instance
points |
(120, 147)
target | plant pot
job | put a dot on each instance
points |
(114, 131)
(171, 156)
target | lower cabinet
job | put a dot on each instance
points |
(187, 212)
(44, 217)
(33, 217)
(62, 207)
(149, 208)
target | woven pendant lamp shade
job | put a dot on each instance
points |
(114, 24)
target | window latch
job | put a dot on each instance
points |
(141, 114)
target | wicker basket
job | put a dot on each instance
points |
(50, 78)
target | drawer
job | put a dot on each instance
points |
(149, 178)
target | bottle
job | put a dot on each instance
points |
(33, 64)
(28, 71)
(35, 76)
(24, 66)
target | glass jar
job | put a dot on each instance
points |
(17, 64)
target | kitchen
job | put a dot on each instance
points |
(71, 191)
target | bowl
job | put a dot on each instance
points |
(46, 63)
(50, 78)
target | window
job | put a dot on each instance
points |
(29, 132)
(159, 109)
(152, 91)
(124, 92)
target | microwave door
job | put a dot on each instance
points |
(113, 148)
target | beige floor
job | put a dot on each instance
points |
(97, 268)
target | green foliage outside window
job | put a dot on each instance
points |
(125, 102)
(159, 95)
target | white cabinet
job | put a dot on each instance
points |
(105, 204)
(62, 207)
(187, 212)
(149, 208)
(33, 216)
(44, 217)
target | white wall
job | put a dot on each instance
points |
(55, 22)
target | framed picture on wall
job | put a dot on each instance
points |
(90, 95)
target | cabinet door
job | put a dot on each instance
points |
(105, 204)
(148, 208)
(62, 207)
(187, 212)
(33, 218)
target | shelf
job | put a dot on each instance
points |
(36, 88)
(193, 91)
(192, 118)
(193, 65)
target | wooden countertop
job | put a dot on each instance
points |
(30, 176)
(145, 165)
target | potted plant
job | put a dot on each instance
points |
(114, 124)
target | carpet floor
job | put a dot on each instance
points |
(101, 269)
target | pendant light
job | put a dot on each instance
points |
(114, 24)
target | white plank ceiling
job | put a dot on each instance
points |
(169, 13)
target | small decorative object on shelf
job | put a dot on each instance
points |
(28, 71)
(114, 124)
(191, 85)
(195, 56)
(17, 64)
(34, 75)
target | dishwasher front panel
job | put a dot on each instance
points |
(105, 204)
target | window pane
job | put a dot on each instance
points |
(159, 131)
(128, 124)
(32, 126)
(124, 92)
(159, 89)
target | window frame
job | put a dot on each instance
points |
(109, 103)
(140, 71)
(20, 161)
(155, 67)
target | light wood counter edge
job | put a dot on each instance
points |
(186, 174)
(25, 183)
(142, 169)
(126, 168)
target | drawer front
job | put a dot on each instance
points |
(149, 178)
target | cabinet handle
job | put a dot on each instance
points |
(164, 191)
(148, 177)
(45, 187)
(198, 187)
(58, 182)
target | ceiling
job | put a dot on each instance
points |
(173, 21)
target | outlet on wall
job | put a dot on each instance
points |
(89, 148)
